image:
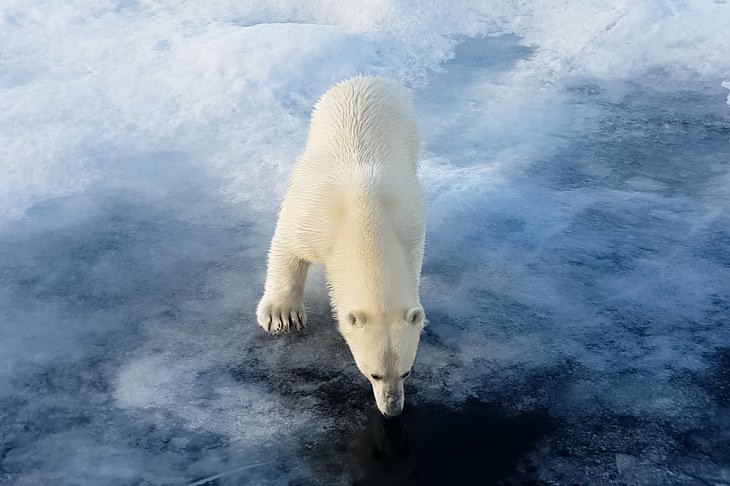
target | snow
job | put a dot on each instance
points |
(574, 157)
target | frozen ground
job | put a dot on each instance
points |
(577, 274)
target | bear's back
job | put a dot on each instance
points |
(366, 123)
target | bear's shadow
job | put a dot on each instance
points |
(433, 444)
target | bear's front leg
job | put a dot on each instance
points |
(282, 306)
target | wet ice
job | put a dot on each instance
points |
(575, 278)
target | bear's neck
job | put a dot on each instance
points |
(369, 268)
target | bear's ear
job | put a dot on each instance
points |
(416, 316)
(356, 319)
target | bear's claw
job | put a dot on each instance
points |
(281, 317)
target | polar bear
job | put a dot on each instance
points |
(355, 204)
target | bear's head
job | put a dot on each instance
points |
(384, 347)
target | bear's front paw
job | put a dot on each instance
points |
(281, 315)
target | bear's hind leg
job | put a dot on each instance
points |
(282, 306)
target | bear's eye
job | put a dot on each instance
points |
(405, 375)
(376, 377)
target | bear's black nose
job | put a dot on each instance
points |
(392, 405)
(392, 413)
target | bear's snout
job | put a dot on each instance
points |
(389, 397)
(393, 405)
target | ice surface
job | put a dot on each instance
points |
(575, 160)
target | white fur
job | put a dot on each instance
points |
(354, 203)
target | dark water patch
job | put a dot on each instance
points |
(87, 376)
(337, 394)
(499, 54)
(714, 243)
(432, 444)
(476, 60)
(717, 312)
(536, 388)
(711, 443)
(675, 140)
(608, 447)
(312, 369)
(717, 380)
(249, 369)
